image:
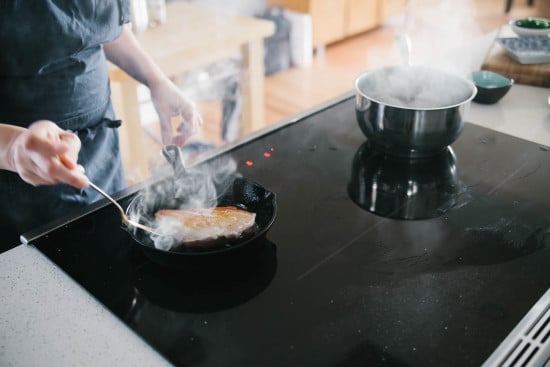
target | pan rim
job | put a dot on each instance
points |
(184, 252)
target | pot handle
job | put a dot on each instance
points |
(174, 156)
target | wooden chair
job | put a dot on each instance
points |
(509, 4)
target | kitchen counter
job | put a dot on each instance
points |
(524, 112)
(48, 319)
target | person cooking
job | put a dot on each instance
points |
(57, 125)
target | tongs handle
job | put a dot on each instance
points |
(127, 221)
(174, 156)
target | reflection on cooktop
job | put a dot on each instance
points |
(172, 307)
(402, 188)
(204, 290)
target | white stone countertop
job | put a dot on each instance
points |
(47, 319)
(523, 112)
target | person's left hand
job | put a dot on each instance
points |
(171, 103)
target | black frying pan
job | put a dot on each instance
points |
(233, 191)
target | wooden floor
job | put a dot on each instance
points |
(436, 39)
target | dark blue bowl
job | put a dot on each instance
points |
(491, 86)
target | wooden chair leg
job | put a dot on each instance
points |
(509, 5)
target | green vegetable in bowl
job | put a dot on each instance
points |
(533, 23)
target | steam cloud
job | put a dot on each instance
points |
(198, 187)
(415, 87)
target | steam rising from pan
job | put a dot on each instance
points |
(197, 188)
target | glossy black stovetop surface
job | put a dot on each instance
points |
(343, 279)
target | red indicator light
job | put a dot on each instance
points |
(267, 154)
(249, 163)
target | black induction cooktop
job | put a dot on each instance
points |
(370, 261)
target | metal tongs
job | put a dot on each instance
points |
(174, 156)
(127, 221)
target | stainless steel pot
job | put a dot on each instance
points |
(411, 111)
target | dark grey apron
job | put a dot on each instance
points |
(52, 66)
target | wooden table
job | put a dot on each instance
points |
(498, 60)
(194, 36)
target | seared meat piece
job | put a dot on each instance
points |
(208, 226)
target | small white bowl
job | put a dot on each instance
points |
(525, 31)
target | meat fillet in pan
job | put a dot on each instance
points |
(207, 226)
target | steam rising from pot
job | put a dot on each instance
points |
(414, 87)
(412, 111)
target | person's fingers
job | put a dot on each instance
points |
(184, 131)
(190, 124)
(35, 180)
(51, 169)
(165, 129)
(47, 155)
(56, 171)
(39, 171)
(188, 130)
(189, 112)
(77, 179)
(45, 147)
(175, 109)
(67, 161)
(178, 140)
(70, 157)
(75, 176)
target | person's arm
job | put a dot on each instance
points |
(43, 154)
(169, 101)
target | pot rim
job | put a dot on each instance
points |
(464, 80)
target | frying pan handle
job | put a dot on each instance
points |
(173, 155)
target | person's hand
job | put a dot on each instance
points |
(171, 103)
(44, 154)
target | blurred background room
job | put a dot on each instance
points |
(250, 64)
